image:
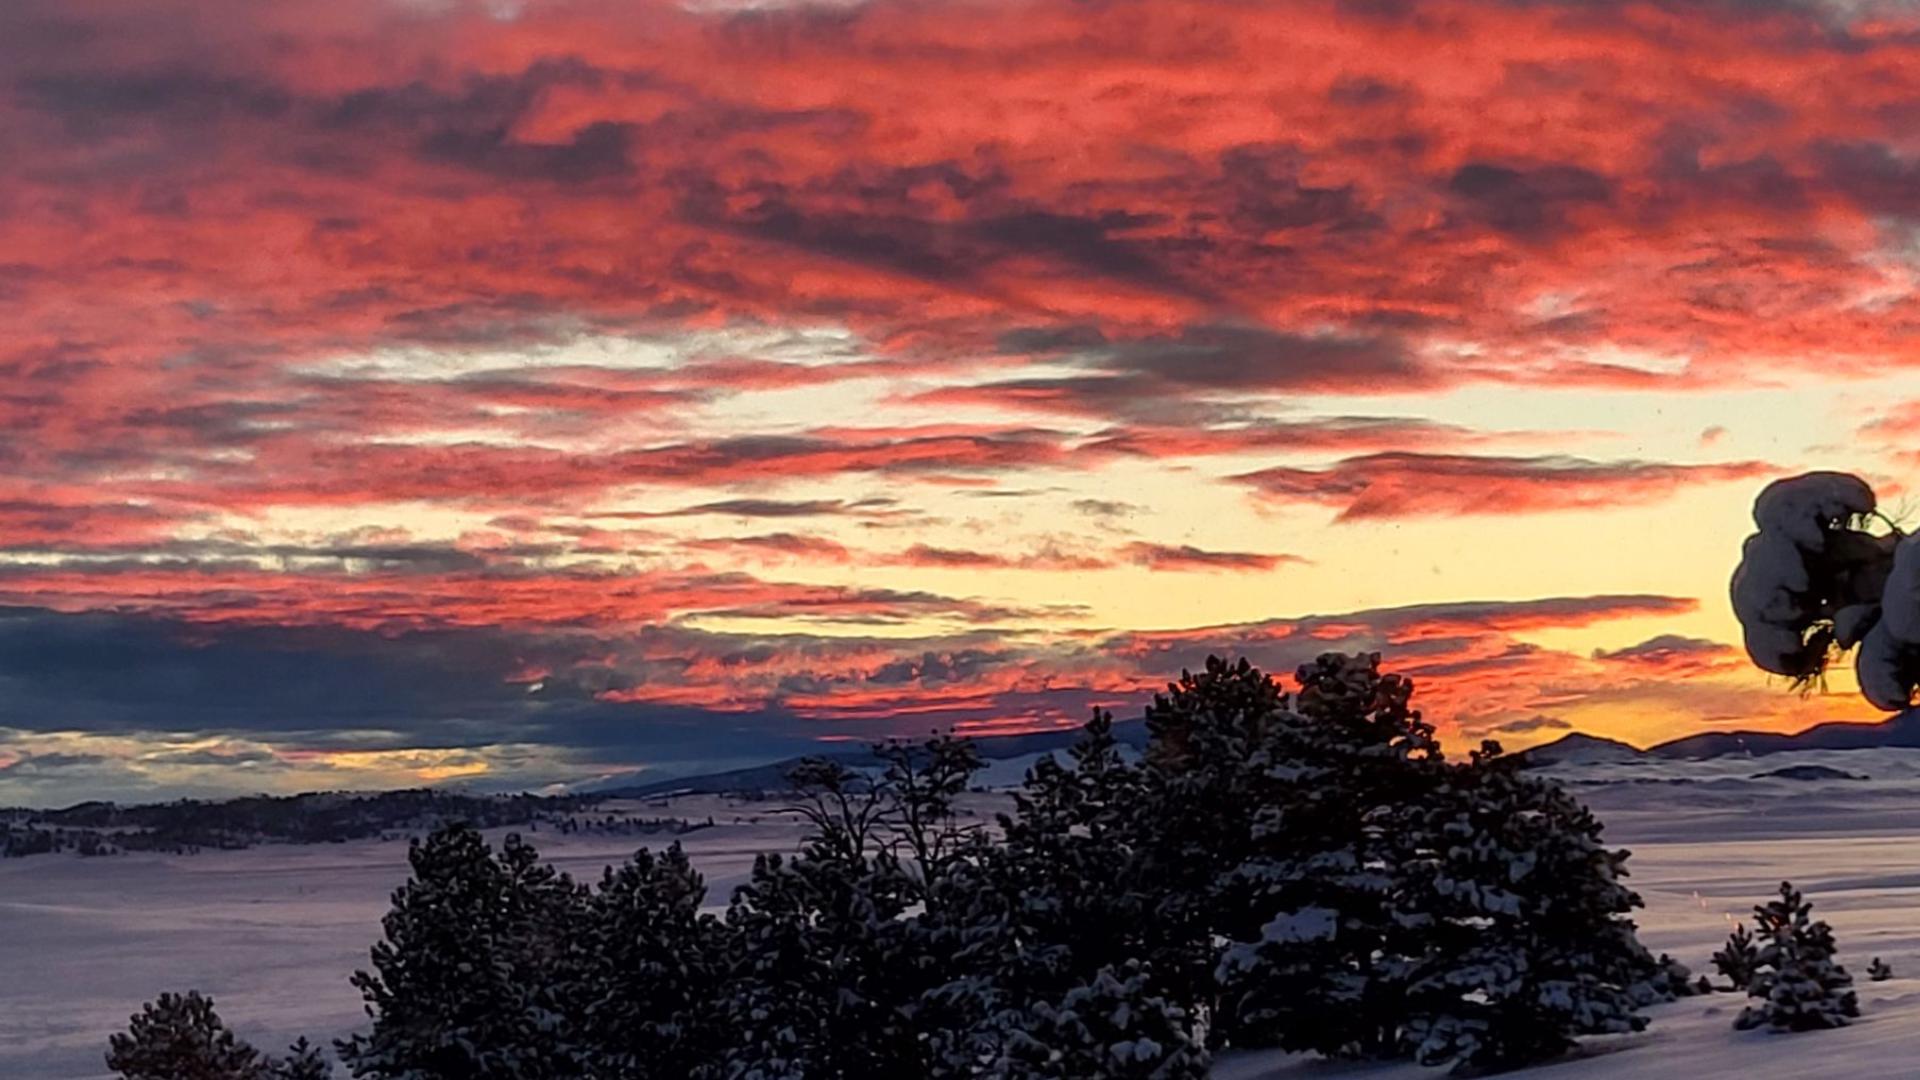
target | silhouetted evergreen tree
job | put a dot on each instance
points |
(652, 971)
(819, 978)
(476, 977)
(1304, 863)
(1041, 915)
(304, 1061)
(180, 1037)
(1378, 901)
(1527, 939)
(1070, 861)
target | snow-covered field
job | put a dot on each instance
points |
(272, 933)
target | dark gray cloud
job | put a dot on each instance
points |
(894, 230)
(49, 764)
(1537, 722)
(216, 758)
(91, 103)
(1527, 201)
(1663, 647)
(1196, 375)
(1105, 508)
(776, 508)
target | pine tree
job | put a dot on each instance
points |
(815, 944)
(1039, 916)
(180, 1037)
(1798, 984)
(473, 979)
(304, 1061)
(653, 966)
(1376, 900)
(1530, 942)
(1738, 958)
(1290, 802)
(1879, 970)
(923, 832)
(1070, 860)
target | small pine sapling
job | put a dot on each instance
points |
(1797, 982)
(1738, 958)
(304, 1061)
(180, 1037)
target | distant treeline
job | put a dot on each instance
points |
(191, 825)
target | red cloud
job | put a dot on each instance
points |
(1401, 485)
(312, 187)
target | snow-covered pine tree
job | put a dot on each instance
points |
(476, 976)
(1050, 907)
(1295, 799)
(1070, 860)
(1879, 970)
(818, 982)
(652, 965)
(1738, 958)
(1205, 773)
(1798, 984)
(1530, 942)
(180, 1037)
(1114, 1027)
(304, 1061)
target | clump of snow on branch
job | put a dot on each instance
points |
(1814, 581)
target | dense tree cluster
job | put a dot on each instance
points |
(1303, 870)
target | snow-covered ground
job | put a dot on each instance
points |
(272, 933)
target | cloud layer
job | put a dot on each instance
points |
(586, 383)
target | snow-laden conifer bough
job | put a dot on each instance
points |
(1827, 573)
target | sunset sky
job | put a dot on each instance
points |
(402, 391)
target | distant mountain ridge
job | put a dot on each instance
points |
(1901, 730)
(1574, 748)
(773, 775)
